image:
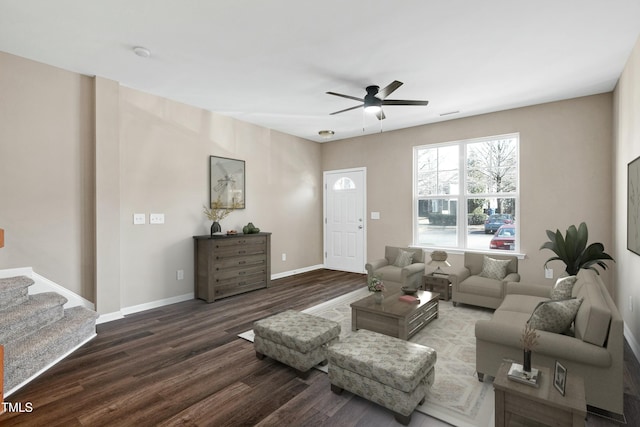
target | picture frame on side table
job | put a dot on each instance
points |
(560, 377)
(227, 182)
(633, 206)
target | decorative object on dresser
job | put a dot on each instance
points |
(1, 238)
(231, 264)
(217, 213)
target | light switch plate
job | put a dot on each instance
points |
(156, 218)
(139, 218)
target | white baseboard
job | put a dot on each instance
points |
(109, 317)
(633, 343)
(155, 304)
(297, 271)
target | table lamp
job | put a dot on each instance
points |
(439, 259)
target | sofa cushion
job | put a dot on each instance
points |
(593, 318)
(403, 259)
(389, 273)
(563, 288)
(476, 285)
(494, 268)
(555, 316)
(521, 303)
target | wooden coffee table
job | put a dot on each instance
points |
(394, 317)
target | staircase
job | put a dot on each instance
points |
(36, 331)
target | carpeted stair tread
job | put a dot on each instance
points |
(37, 312)
(32, 353)
(14, 290)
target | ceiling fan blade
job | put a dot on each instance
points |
(403, 102)
(380, 115)
(384, 92)
(347, 109)
(346, 96)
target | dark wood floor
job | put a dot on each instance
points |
(184, 365)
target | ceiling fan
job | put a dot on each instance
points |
(375, 99)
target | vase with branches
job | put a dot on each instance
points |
(529, 340)
(218, 211)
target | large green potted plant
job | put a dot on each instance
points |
(572, 249)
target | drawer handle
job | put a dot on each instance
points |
(242, 273)
(242, 262)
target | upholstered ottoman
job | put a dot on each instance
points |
(296, 339)
(388, 371)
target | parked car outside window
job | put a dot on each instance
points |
(495, 221)
(505, 238)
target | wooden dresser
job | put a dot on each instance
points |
(227, 265)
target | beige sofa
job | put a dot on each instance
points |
(595, 353)
(410, 275)
(468, 287)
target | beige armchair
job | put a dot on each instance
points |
(476, 285)
(392, 271)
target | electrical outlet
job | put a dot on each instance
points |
(139, 218)
(548, 273)
(156, 218)
(284, 257)
(180, 274)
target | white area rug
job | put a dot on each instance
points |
(456, 397)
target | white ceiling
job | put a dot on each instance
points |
(271, 62)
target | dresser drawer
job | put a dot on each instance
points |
(240, 285)
(233, 262)
(243, 240)
(245, 271)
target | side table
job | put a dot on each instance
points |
(543, 404)
(438, 283)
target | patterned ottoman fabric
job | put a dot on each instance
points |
(388, 371)
(391, 361)
(398, 401)
(299, 331)
(296, 339)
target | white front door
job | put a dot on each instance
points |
(344, 219)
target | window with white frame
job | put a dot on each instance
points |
(466, 194)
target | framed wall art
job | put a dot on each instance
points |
(226, 182)
(633, 206)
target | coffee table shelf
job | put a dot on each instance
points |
(394, 317)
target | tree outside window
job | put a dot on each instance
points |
(481, 174)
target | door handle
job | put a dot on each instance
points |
(360, 227)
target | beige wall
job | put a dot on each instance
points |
(565, 173)
(165, 149)
(626, 149)
(75, 150)
(46, 172)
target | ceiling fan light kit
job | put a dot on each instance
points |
(375, 99)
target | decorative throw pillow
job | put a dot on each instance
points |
(494, 268)
(563, 288)
(403, 259)
(555, 316)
